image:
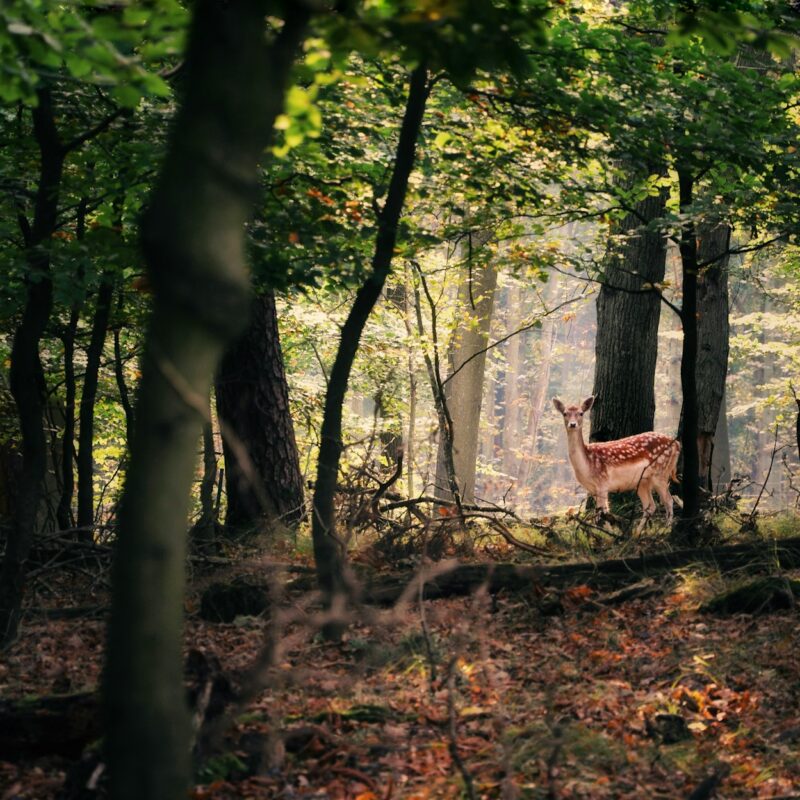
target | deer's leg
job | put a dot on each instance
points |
(601, 499)
(666, 499)
(645, 492)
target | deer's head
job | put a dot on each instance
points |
(573, 415)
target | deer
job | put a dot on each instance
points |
(640, 463)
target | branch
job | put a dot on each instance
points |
(93, 132)
(505, 338)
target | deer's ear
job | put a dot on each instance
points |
(559, 405)
(587, 403)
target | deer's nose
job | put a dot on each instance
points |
(572, 424)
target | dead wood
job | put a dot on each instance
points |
(466, 578)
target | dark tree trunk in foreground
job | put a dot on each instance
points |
(253, 403)
(94, 354)
(193, 239)
(690, 485)
(328, 548)
(204, 530)
(713, 334)
(627, 328)
(26, 375)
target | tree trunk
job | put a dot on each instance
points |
(511, 417)
(27, 381)
(713, 339)
(64, 511)
(122, 387)
(193, 241)
(94, 355)
(464, 384)
(538, 399)
(690, 485)
(204, 530)
(410, 451)
(253, 403)
(721, 453)
(328, 547)
(627, 327)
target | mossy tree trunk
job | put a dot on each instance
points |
(193, 241)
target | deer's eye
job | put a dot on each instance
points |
(581, 414)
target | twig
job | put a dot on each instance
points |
(453, 732)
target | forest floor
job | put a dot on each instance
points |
(475, 697)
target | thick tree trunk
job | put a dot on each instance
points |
(328, 547)
(94, 354)
(690, 485)
(27, 379)
(193, 240)
(627, 327)
(713, 339)
(253, 403)
(721, 453)
(464, 384)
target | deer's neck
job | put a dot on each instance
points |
(578, 456)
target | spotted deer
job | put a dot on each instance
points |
(640, 463)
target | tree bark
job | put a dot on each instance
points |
(253, 403)
(713, 333)
(627, 327)
(328, 548)
(193, 242)
(464, 384)
(721, 453)
(94, 354)
(690, 485)
(27, 381)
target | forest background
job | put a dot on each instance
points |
(464, 209)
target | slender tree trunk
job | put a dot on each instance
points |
(27, 379)
(627, 328)
(328, 548)
(511, 418)
(411, 451)
(464, 384)
(713, 332)
(64, 512)
(253, 403)
(122, 388)
(203, 531)
(94, 354)
(538, 399)
(690, 485)
(193, 241)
